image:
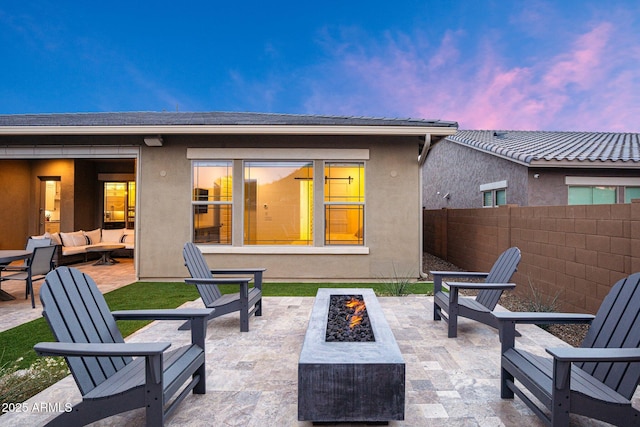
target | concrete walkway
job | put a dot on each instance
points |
(19, 311)
(252, 377)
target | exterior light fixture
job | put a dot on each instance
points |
(153, 141)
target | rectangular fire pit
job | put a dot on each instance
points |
(350, 381)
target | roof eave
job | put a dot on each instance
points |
(585, 164)
(230, 129)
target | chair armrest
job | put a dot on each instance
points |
(256, 272)
(438, 275)
(595, 354)
(162, 314)
(542, 318)
(197, 316)
(470, 274)
(15, 268)
(152, 352)
(110, 349)
(454, 288)
(480, 285)
(237, 270)
(507, 321)
(216, 281)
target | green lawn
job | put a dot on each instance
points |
(19, 341)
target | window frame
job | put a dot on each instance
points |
(620, 183)
(361, 204)
(319, 156)
(494, 188)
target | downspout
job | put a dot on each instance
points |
(421, 159)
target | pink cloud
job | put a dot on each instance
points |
(589, 85)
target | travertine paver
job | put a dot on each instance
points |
(252, 376)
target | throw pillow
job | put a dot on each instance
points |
(55, 238)
(112, 236)
(93, 237)
(75, 238)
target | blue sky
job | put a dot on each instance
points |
(534, 65)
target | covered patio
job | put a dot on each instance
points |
(252, 376)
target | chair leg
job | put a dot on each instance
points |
(453, 321)
(258, 311)
(33, 302)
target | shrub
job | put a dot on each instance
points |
(18, 385)
(539, 302)
(398, 284)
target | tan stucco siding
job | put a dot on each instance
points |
(392, 213)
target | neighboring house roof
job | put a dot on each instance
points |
(556, 149)
(214, 122)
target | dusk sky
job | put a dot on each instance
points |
(537, 65)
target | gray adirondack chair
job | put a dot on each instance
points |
(481, 308)
(596, 380)
(247, 301)
(35, 268)
(109, 378)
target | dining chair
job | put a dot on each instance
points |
(36, 268)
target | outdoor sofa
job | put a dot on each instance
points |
(72, 246)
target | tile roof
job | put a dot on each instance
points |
(206, 119)
(542, 148)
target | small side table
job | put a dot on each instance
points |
(105, 253)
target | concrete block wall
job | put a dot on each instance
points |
(573, 252)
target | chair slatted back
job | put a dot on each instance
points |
(501, 272)
(41, 258)
(77, 313)
(617, 325)
(198, 269)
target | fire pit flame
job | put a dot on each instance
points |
(358, 307)
(348, 320)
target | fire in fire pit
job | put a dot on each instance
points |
(348, 320)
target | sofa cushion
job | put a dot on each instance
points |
(112, 236)
(55, 238)
(73, 250)
(75, 238)
(93, 236)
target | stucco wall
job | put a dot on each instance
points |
(392, 216)
(459, 171)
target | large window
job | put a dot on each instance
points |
(277, 202)
(592, 195)
(599, 190)
(212, 202)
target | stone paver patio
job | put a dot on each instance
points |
(252, 377)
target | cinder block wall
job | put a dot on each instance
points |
(573, 252)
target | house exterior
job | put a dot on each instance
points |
(486, 168)
(307, 197)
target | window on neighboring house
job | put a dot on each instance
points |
(212, 202)
(276, 204)
(592, 195)
(494, 194)
(344, 203)
(631, 193)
